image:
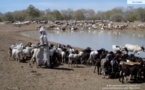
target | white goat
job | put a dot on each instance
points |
(92, 56)
(73, 58)
(27, 52)
(15, 51)
(116, 48)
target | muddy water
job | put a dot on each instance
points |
(95, 39)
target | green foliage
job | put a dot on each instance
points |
(33, 12)
(1, 17)
(19, 15)
(140, 14)
(100, 15)
(57, 15)
(79, 15)
(108, 14)
(131, 17)
(116, 17)
(9, 16)
(129, 14)
(117, 14)
(67, 14)
(89, 14)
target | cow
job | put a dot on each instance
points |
(134, 48)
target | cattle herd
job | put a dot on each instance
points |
(118, 63)
(81, 25)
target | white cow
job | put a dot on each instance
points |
(134, 48)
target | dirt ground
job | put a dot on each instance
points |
(19, 76)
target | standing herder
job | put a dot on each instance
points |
(42, 56)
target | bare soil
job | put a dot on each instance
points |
(19, 76)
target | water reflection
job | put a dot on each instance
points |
(95, 39)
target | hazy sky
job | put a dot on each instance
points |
(97, 5)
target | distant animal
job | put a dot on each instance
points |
(134, 48)
(141, 25)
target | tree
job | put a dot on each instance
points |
(49, 15)
(19, 15)
(79, 15)
(116, 17)
(117, 14)
(100, 15)
(130, 14)
(57, 15)
(89, 14)
(140, 14)
(33, 12)
(43, 16)
(108, 14)
(8, 16)
(1, 17)
(67, 14)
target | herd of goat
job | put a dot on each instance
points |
(116, 63)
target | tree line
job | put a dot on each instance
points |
(117, 14)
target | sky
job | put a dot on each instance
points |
(97, 5)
